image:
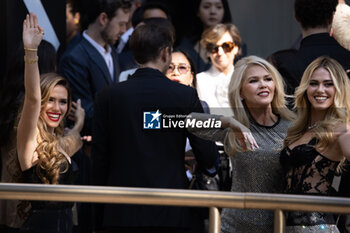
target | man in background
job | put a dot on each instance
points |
(315, 19)
(93, 63)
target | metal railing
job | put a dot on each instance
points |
(175, 197)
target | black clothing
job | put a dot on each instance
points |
(125, 154)
(46, 216)
(312, 47)
(308, 172)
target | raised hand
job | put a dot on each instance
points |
(32, 32)
(77, 114)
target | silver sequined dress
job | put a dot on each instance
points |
(256, 171)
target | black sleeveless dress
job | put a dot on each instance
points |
(309, 172)
(46, 216)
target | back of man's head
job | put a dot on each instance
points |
(95, 7)
(155, 10)
(314, 13)
(150, 10)
(150, 38)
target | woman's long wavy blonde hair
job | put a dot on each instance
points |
(336, 114)
(50, 158)
(241, 113)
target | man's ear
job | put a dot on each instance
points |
(76, 18)
(296, 18)
(103, 19)
(165, 52)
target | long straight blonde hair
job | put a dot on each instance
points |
(336, 114)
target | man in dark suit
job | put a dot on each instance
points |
(315, 19)
(125, 152)
(93, 63)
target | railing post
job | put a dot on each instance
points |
(279, 222)
(214, 220)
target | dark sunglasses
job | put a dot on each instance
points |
(226, 46)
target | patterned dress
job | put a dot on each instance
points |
(309, 172)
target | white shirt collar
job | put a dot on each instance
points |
(124, 39)
(106, 54)
(99, 48)
(127, 34)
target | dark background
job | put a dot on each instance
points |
(13, 12)
(265, 26)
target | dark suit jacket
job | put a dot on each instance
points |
(312, 47)
(87, 73)
(126, 59)
(125, 154)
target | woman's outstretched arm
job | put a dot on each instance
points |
(228, 124)
(27, 128)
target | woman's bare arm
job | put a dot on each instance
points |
(27, 128)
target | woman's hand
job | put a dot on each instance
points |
(77, 114)
(246, 138)
(32, 32)
(87, 138)
(242, 133)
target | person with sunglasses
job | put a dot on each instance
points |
(222, 43)
(180, 69)
(183, 70)
(205, 14)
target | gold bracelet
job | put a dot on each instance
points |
(30, 61)
(30, 50)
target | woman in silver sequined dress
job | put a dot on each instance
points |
(253, 138)
(317, 143)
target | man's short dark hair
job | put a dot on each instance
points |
(314, 13)
(156, 5)
(95, 7)
(149, 39)
(74, 5)
(138, 15)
